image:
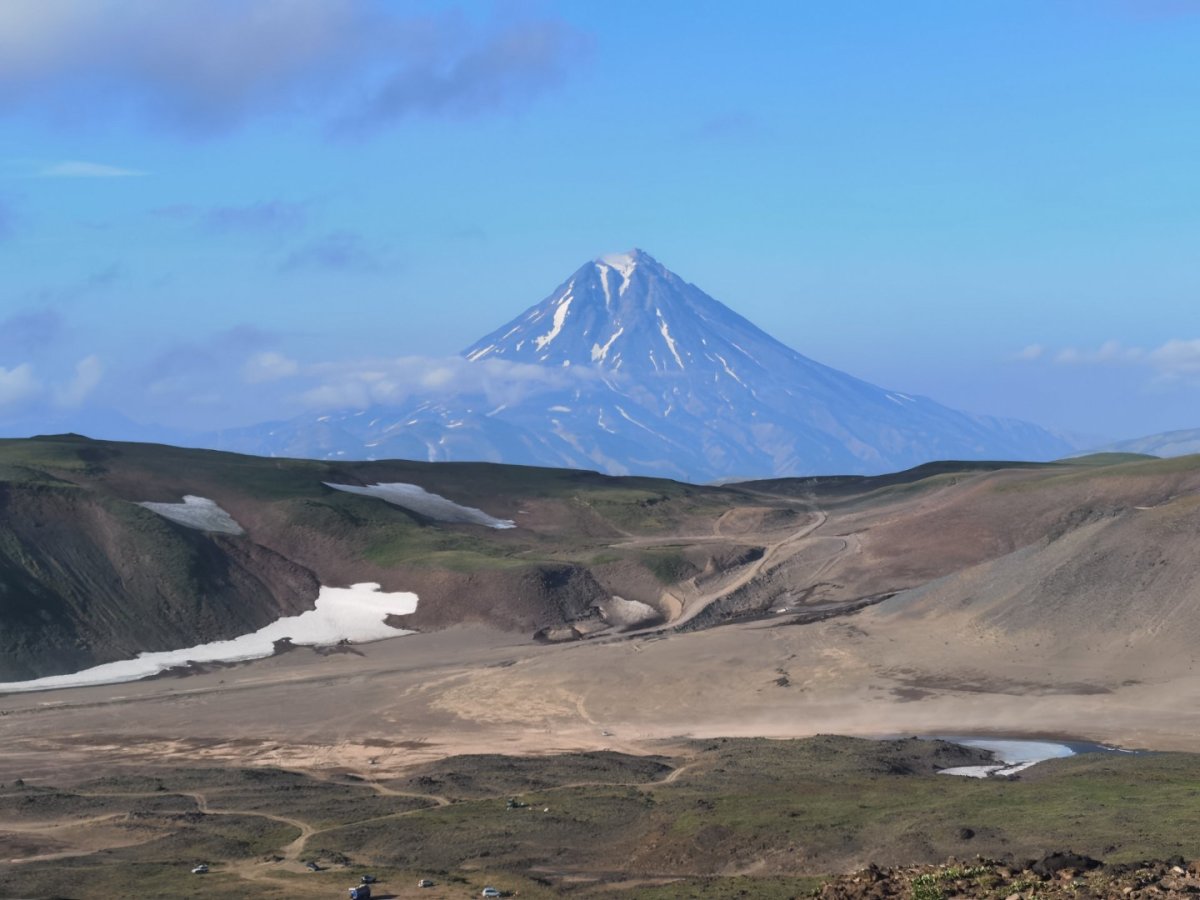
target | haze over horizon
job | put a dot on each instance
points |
(214, 214)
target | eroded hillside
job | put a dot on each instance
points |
(1099, 547)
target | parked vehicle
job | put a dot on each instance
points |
(200, 869)
(312, 866)
(425, 882)
(362, 892)
(490, 892)
(368, 879)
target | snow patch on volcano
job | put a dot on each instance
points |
(560, 318)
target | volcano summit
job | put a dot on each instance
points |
(629, 369)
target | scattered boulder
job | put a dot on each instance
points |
(1053, 863)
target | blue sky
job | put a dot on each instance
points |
(208, 207)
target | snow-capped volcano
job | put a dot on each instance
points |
(625, 312)
(656, 377)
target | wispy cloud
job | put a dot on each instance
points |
(74, 168)
(94, 282)
(221, 351)
(462, 74)
(1176, 359)
(30, 330)
(269, 365)
(21, 386)
(208, 66)
(358, 384)
(340, 251)
(88, 373)
(1030, 353)
(17, 385)
(264, 216)
(1108, 353)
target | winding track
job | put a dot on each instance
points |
(261, 870)
(682, 609)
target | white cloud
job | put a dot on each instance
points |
(1108, 353)
(88, 373)
(269, 366)
(74, 168)
(1173, 360)
(17, 385)
(1177, 358)
(1032, 352)
(206, 66)
(360, 384)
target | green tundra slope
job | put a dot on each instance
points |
(87, 575)
(1102, 545)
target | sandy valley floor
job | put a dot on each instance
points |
(384, 706)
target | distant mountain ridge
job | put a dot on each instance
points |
(659, 378)
(1169, 443)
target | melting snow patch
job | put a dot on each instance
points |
(199, 513)
(1014, 756)
(626, 613)
(416, 499)
(598, 352)
(356, 613)
(604, 284)
(482, 352)
(560, 316)
(624, 263)
(728, 371)
(666, 333)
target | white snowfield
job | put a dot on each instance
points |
(199, 513)
(626, 613)
(1013, 755)
(356, 613)
(416, 499)
(560, 317)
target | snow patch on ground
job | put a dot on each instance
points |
(1014, 756)
(416, 499)
(356, 613)
(199, 513)
(626, 613)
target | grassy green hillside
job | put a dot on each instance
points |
(734, 817)
(88, 576)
